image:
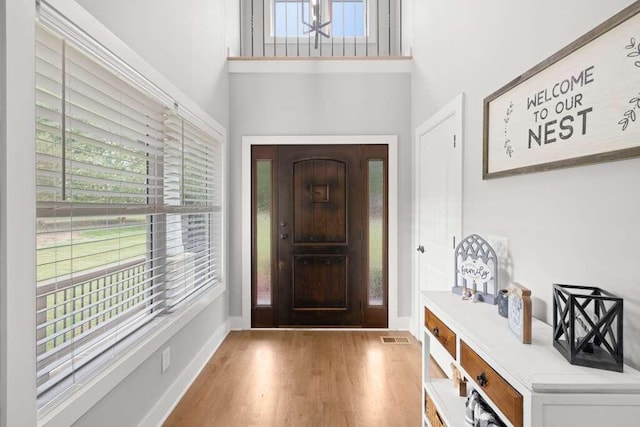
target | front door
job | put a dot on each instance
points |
(319, 229)
(319, 236)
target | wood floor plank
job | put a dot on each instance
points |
(306, 378)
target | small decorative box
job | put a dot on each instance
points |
(503, 303)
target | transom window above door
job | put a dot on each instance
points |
(328, 28)
(333, 18)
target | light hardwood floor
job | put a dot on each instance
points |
(306, 378)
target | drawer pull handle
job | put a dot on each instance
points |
(482, 379)
(436, 331)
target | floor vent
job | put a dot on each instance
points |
(395, 340)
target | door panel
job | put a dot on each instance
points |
(320, 282)
(320, 202)
(320, 212)
(436, 228)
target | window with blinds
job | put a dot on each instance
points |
(128, 209)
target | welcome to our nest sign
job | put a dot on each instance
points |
(580, 106)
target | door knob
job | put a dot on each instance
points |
(482, 379)
(284, 236)
(420, 249)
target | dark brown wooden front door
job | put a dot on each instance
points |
(319, 232)
(319, 236)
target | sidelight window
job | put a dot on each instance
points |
(376, 235)
(263, 206)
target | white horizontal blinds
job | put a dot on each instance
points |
(100, 255)
(193, 193)
(49, 110)
(110, 149)
(129, 204)
(95, 287)
(173, 159)
(201, 176)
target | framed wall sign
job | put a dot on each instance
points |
(519, 312)
(580, 106)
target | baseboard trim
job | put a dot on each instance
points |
(401, 324)
(166, 404)
(398, 324)
(237, 323)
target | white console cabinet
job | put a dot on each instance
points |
(528, 385)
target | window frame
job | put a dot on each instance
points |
(149, 339)
(370, 22)
(125, 298)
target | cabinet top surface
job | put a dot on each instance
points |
(537, 366)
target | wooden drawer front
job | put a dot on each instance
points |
(442, 333)
(432, 413)
(497, 388)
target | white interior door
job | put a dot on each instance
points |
(438, 219)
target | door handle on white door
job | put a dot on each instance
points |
(420, 249)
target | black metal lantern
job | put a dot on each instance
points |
(587, 326)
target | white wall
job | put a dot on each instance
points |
(317, 104)
(577, 226)
(138, 394)
(185, 40)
